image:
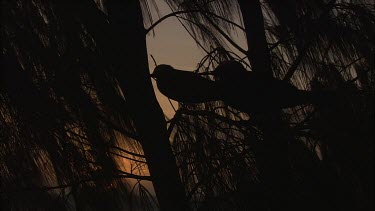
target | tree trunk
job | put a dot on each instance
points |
(258, 53)
(123, 41)
(271, 154)
(130, 55)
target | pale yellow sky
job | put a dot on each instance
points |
(173, 45)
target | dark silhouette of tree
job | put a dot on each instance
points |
(77, 101)
(296, 40)
(81, 129)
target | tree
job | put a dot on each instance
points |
(76, 102)
(306, 36)
(53, 52)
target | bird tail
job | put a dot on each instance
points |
(316, 98)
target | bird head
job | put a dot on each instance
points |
(161, 70)
(228, 69)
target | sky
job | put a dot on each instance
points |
(173, 45)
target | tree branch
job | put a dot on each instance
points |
(124, 175)
(174, 14)
(221, 32)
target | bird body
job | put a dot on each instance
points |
(234, 85)
(184, 86)
(248, 91)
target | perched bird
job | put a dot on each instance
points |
(234, 85)
(248, 91)
(184, 86)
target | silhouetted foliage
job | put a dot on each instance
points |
(68, 138)
(81, 129)
(322, 46)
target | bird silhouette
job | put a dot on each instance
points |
(250, 92)
(184, 86)
(243, 90)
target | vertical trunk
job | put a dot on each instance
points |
(271, 155)
(130, 55)
(258, 53)
(123, 42)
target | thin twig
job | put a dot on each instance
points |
(174, 14)
(154, 60)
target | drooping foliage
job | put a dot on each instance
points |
(318, 46)
(67, 140)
